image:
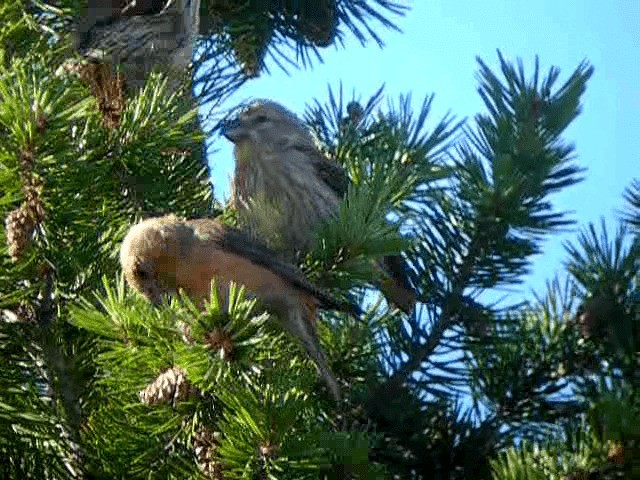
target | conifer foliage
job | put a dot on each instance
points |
(98, 383)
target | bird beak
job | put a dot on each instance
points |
(233, 130)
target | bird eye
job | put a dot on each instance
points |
(141, 274)
(261, 118)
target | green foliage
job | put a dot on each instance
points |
(607, 268)
(257, 394)
(53, 124)
(632, 195)
(600, 439)
(19, 32)
(290, 33)
(346, 244)
(525, 367)
(265, 432)
(531, 462)
(28, 420)
(96, 382)
(395, 164)
(512, 163)
(56, 153)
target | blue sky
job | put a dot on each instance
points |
(435, 53)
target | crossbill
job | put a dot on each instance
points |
(138, 35)
(284, 186)
(167, 254)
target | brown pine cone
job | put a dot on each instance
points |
(170, 386)
(204, 446)
(19, 226)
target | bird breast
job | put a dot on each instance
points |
(287, 184)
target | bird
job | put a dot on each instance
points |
(163, 255)
(284, 187)
(139, 35)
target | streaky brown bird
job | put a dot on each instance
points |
(284, 186)
(139, 35)
(163, 255)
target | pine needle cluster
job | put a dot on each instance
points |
(98, 383)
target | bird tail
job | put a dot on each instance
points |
(327, 301)
(397, 285)
(301, 327)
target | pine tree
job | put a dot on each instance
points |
(97, 383)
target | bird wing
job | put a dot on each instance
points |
(329, 171)
(399, 288)
(234, 240)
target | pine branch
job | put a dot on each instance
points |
(392, 154)
(233, 354)
(447, 318)
(35, 440)
(632, 197)
(607, 270)
(601, 264)
(176, 389)
(236, 38)
(515, 132)
(579, 453)
(302, 27)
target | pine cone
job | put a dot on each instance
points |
(204, 446)
(32, 202)
(268, 451)
(21, 222)
(170, 386)
(26, 162)
(355, 112)
(107, 87)
(25, 313)
(317, 19)
(594, 316)
(616, 453)
(220, 340)
(354, 115)
(41, 122)
(19, 226)
(250, 44)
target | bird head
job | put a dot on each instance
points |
(268, 124)
(146, 259)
